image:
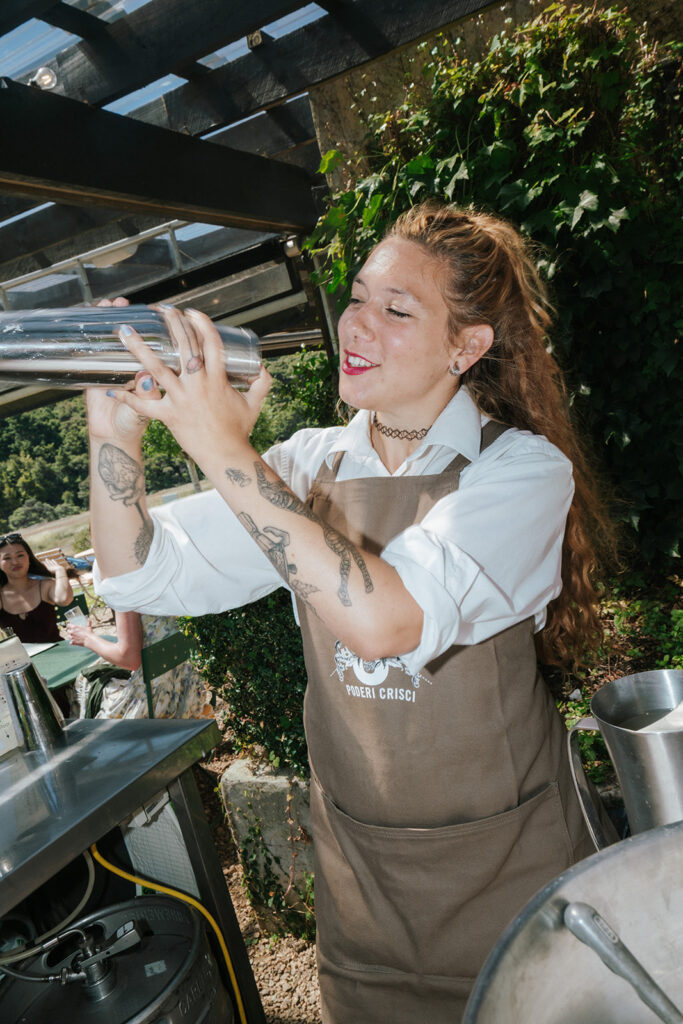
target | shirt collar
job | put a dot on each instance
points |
(458, 427)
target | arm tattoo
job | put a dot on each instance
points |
(121, 475)
(236, 476)
(273, 542)
(279, 495)
(124, 480)
(143, 541)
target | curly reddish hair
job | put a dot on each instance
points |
(491, 278)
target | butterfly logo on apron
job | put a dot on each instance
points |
(371, 673)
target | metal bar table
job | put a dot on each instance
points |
(99, 774)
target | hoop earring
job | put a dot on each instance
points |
(454, 370)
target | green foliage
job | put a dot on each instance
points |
(648, 622)
(303, 394)
(30, 513)
(81, 539)
(289, 912)
(45, 460)
(642, 615)
(568, 127)
(253, 659)
(594, 755)
(45, 464)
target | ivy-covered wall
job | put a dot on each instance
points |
(570, 127)
(342, 106)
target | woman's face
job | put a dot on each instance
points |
(394, 339)
(13, 561)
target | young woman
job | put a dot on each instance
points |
(26, 603)
(178, 693)
(430, 545)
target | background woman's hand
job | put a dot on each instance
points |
(78, 634)
(52, 565)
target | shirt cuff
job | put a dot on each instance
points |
(133, 591)
(424, 581)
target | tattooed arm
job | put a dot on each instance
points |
(356, 594)
(121, 527)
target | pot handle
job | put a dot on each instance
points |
(585, 790)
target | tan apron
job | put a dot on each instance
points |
(440, 803)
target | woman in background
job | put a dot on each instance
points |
(178, 693)
(26, 603)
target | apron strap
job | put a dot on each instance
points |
(490, 432)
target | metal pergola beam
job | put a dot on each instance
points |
(111, 160)
(282, 129)
(79, 23)
(282, 68)
(16, 12)
(154, 39)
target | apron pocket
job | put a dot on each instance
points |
(430, 902)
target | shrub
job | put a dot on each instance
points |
(253, 659)
(568, 127)
(31, 513)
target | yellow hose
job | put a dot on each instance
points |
(186, 899)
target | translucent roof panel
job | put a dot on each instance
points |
(147, 94)
(26, 213)
(199, 244)
(127, 269)
(107, 10)
(55, 290)
(30, 45)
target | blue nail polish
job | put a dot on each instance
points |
(126, 329)
(147, 384)
(110, 393)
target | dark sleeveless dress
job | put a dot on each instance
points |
(38, 626)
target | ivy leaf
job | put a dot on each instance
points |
(615, 218)
(587, 201)
(515, 193)
(372, 209)
(330, 161)
(419, 165)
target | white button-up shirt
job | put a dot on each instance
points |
(485, 557)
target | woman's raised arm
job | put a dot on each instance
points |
(356, 594)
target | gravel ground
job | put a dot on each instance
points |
(284, 968)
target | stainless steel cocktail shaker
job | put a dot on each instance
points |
(79, 346)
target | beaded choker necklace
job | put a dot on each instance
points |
(403, 435)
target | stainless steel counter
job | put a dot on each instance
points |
(50, 811)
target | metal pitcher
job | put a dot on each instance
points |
(640, 718)
(30, 712)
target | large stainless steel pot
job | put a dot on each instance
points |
(539, 970)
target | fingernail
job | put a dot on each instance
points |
(147, 383)
(110, 393)
(126, 329)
